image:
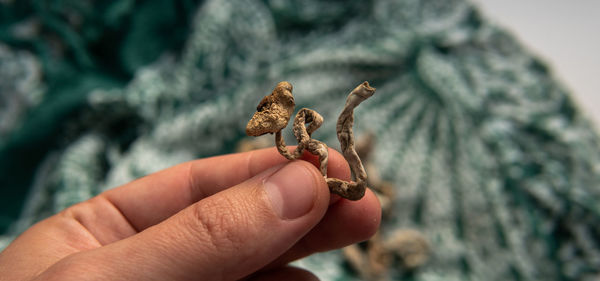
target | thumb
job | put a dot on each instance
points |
(226, 236)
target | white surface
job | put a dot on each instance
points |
(565, 34)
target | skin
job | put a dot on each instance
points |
(208, 219)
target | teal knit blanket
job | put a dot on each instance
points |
(491, 160)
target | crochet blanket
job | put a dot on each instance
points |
(491, 160)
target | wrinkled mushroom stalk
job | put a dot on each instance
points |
(351, 190)
(257, 126)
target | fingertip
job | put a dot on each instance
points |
(370, 215)
(296, 189)
(334, 198)
(346, 222)
(362, 218)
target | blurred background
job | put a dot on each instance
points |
(564, 34)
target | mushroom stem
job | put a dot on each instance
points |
(281, 147)
(351, 190)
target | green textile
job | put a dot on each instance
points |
(491, 160)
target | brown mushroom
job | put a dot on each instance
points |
(273, 112)
(410, 246)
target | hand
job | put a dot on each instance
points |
(223, 218)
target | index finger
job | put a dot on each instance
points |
(152, 199)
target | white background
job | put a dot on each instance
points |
(565, 34)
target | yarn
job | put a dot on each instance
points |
(492, 161)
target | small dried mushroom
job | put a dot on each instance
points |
(274, 112)
(405, 250)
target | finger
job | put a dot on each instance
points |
(287, 273)
(41, 246)
(154, 198)
(225, 236)
(345, 223)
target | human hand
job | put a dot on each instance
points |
(223, 218)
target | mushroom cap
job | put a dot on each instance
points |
(364, 90)
(410, 246)
(273, 112)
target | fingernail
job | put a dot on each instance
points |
(291, 190)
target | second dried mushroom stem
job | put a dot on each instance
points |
(351, 190)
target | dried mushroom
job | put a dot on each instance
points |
(405, 250)
(274, 112)
(346, 137)
(410, 246)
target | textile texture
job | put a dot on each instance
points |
(491, 160)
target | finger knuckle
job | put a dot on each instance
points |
(222, 223)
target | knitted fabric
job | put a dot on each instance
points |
(492, 162)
